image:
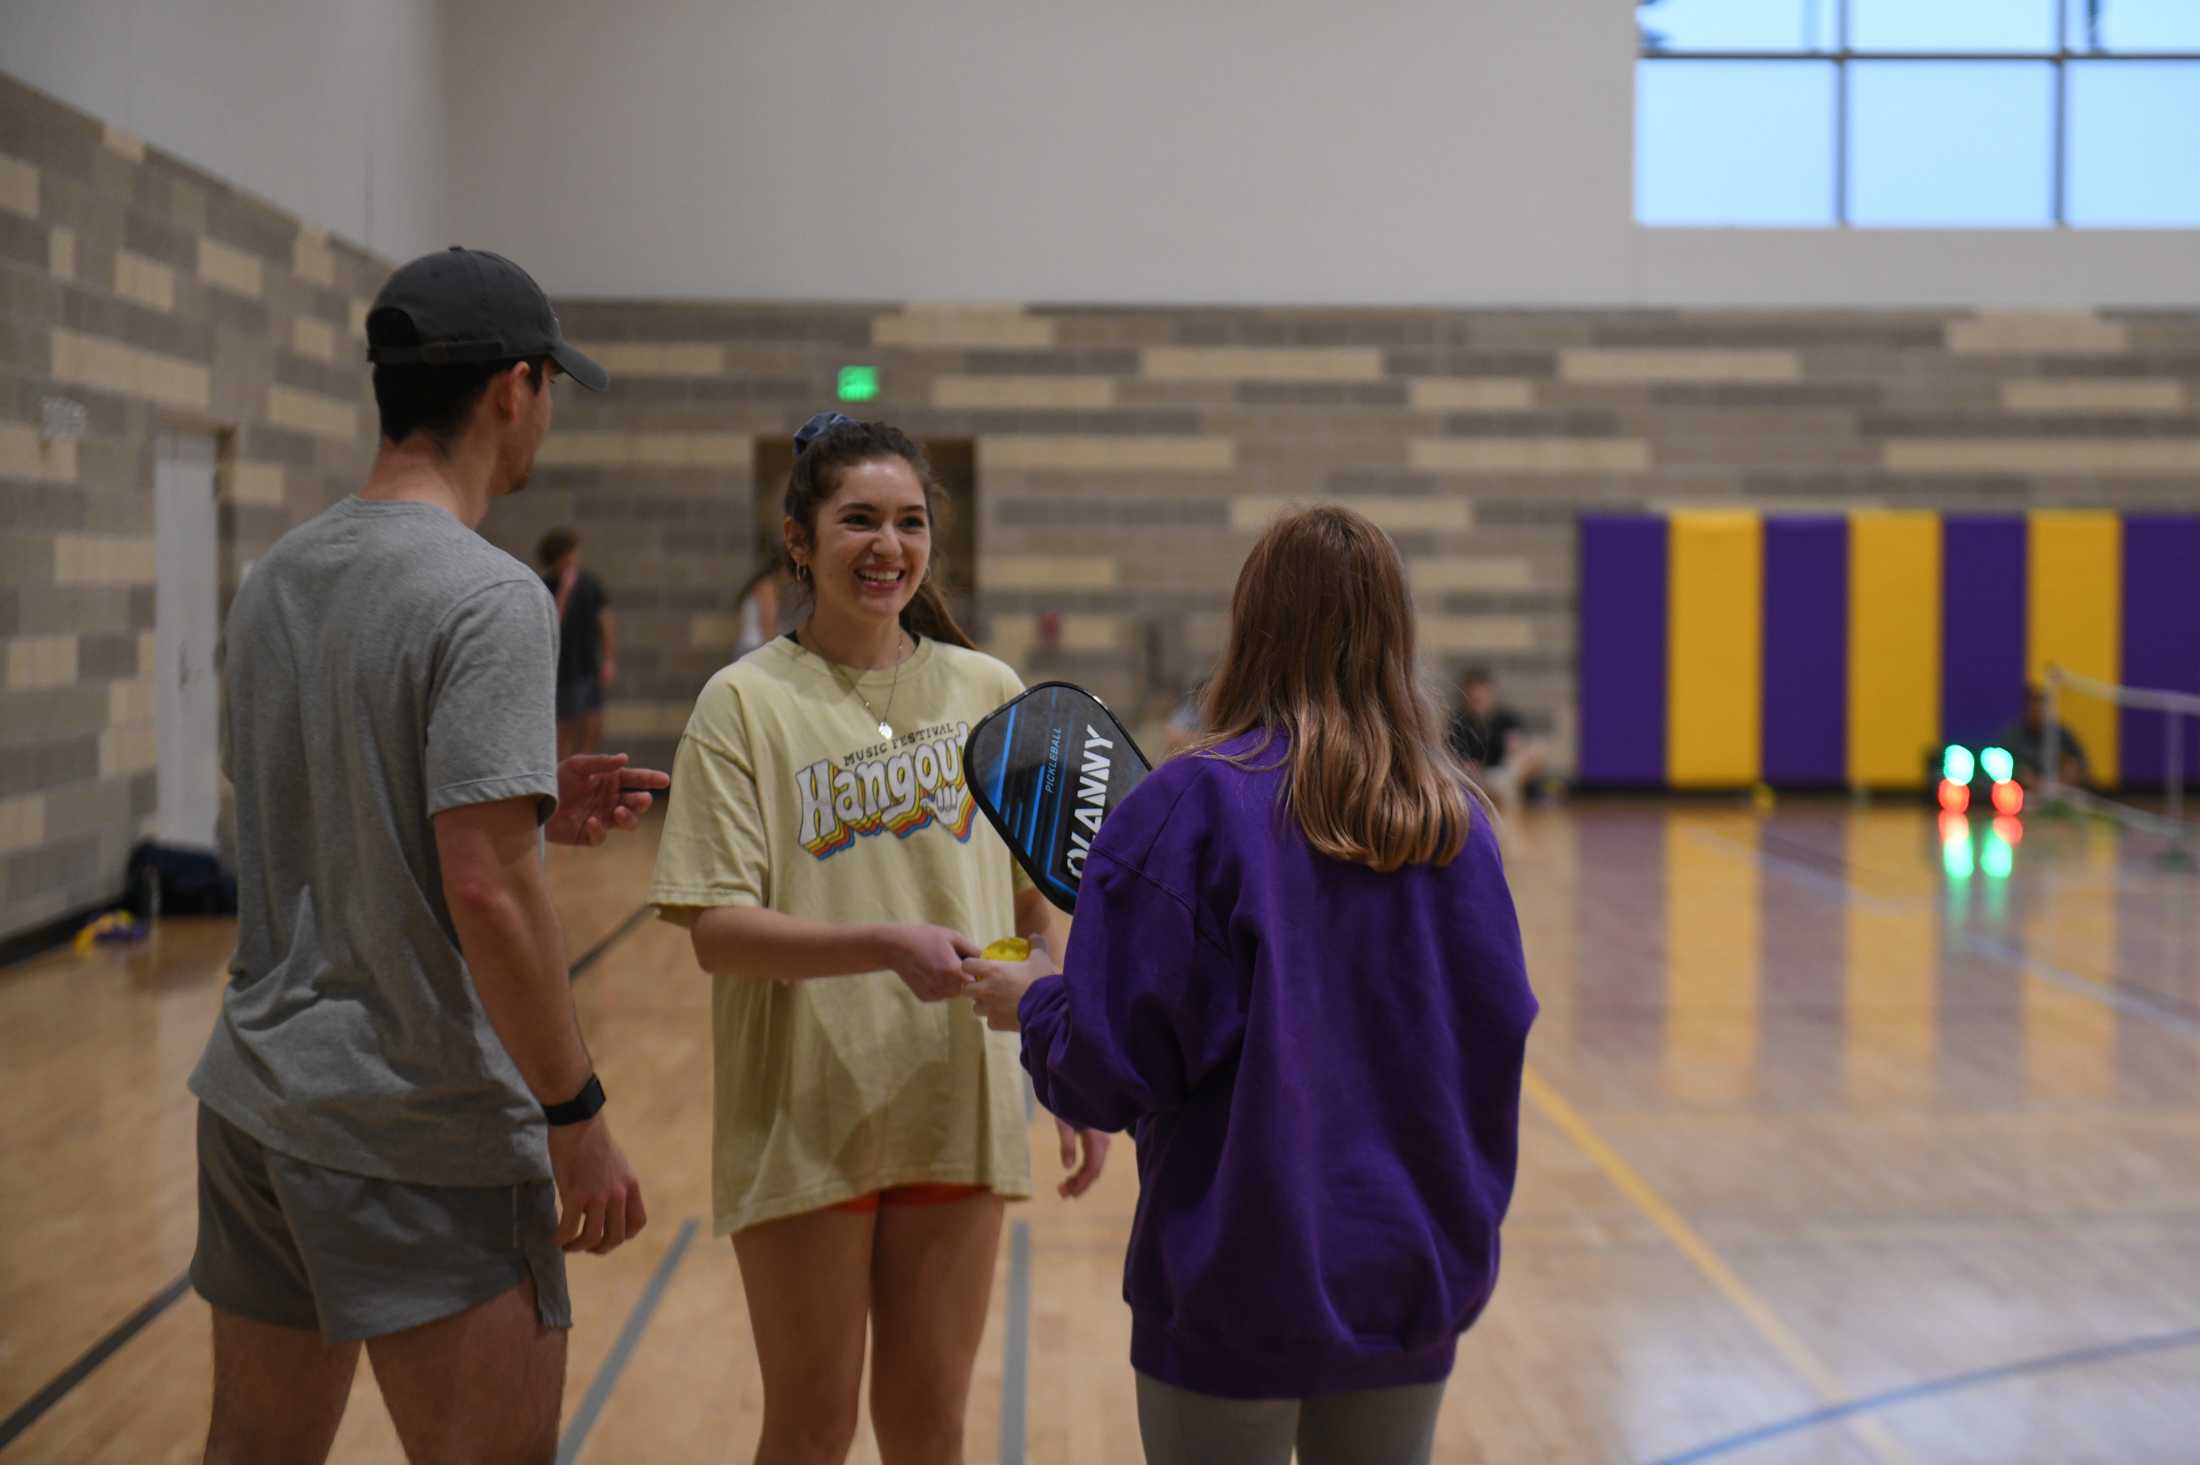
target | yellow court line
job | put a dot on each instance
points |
(1798, 1355)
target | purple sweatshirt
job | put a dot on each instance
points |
(1321, 1066)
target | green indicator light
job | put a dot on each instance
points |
(1956, 859)
(1957, 765)
(1997, 859)
(858, 383)
(1999, 766)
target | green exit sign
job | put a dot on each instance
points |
(858, 383)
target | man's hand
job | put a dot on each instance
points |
(599, 1196)
(1082, 1176)
(598, 793)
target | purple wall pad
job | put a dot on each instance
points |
(1624, 611)
(1982, 625)
(2161, 639)
(1806, 651)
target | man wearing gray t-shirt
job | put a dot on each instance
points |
(399, 1134)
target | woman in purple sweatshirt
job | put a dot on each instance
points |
(1296, 976)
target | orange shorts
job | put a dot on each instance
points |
(908, 1195)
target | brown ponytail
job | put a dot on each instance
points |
(927, 615)
(828, 445)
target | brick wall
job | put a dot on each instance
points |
(156, 297)
(1127, 457)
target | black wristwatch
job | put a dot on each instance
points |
(580, 1108)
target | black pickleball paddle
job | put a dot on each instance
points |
(1046, 768)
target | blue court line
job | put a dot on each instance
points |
(2125, 997)
(1953, 1383)
(1016, 1344)
(595, 953)
(622, 1351)
(2120, 996)
(29, 1412)
(35, 1407)
(2133, 998)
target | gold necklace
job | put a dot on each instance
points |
(885, 727)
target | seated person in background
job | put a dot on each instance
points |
(2026, 740)
(1488, 737)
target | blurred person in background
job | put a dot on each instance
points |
(2026, 740)
(1184, 721)
(588, 642)
(763, 603)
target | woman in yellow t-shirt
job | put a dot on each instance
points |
(833, 873)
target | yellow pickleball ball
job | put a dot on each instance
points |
(1008, 948)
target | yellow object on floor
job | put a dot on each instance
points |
(114, 926)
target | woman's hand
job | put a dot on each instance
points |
(1081, 1177)
(929, 958)
(997, 987)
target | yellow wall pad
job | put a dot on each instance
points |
(1715, 651)
(1894, 646)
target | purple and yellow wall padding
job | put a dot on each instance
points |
(1726, 649)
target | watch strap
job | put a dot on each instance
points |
(578, 1109)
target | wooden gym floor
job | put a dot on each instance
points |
(1828, 1156)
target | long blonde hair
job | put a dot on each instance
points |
(1321, 654)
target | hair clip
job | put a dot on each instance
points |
(818, 426)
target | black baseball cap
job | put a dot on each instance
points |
(470, 305)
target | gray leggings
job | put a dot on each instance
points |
(1374, 1427)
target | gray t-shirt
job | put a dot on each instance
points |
(383, 663)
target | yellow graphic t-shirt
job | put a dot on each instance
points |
(785, 796)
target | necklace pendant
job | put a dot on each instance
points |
(886, 730)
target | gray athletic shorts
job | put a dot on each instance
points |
(290, 1243)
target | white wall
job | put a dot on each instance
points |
(2008, 268)
(1284, 151)
(330, 109)
(1143, 150)
(1146, 151)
